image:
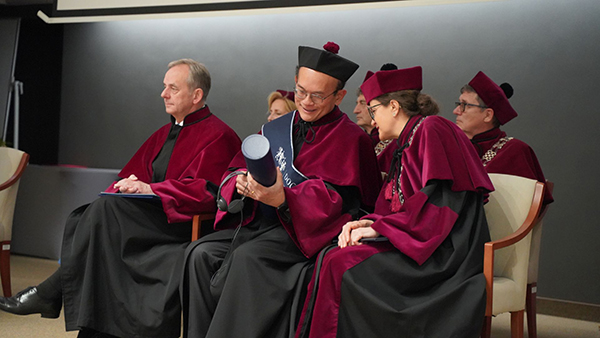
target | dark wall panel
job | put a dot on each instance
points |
(548, 51)
(9, 29)
(38, 66)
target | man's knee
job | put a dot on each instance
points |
(105, 203)
(207, 255)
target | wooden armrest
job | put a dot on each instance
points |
(490, 247)
(15, 177)
(197, 222)
(550, 188)
(526, 227)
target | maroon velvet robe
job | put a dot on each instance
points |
(374, 135)
(427, 281)
(203, 149)
(122, 257)
(515, 158)
(340, 154)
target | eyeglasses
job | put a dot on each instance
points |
(316, 98)
(371, 111)
(463, 106)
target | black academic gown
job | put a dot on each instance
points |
(122, 257)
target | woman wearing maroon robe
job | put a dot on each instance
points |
(413, 268)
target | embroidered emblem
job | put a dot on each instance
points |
(280, 158)
(282, 163)
(493, 151)
(381, 146)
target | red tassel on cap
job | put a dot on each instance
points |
(331, 47)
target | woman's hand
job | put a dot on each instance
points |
(352, 232)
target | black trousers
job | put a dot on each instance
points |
(242, 286)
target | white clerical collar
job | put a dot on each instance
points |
(181, 123)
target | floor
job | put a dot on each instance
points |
(30, 271)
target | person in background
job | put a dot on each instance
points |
(482, 108)
(280, 103)
(241, 280)
(414, 267)
(122, 255)
(363, 119)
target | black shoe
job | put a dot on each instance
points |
(89, 333)
(28, 302)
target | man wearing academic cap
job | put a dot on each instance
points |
(482, 108)
(241, 280)
(122, 254)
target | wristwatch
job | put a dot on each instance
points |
(284, 212)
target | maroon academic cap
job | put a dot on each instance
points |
(368, 75)
(386, 66)
(388, 81)
(326, 61)
(494, 97)
(286, 94)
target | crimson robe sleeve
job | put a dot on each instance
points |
(202, 153)
(424, 220)
(316, 214)
(187, 195)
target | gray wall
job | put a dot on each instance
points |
(548, 50)
(52, 192)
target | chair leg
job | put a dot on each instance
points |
(5, 268)
(516, 324)
(486, 330)
(530, 308)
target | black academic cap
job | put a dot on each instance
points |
(326, 61)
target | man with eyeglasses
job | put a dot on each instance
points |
(482, 108)
(383, 149)
(242, 280)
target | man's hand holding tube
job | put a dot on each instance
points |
(273, 196)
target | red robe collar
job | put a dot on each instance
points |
(484, 141)
(194, 117)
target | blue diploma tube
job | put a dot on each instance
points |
(259, 161)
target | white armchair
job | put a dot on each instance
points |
(12, 165)
(512, 211)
